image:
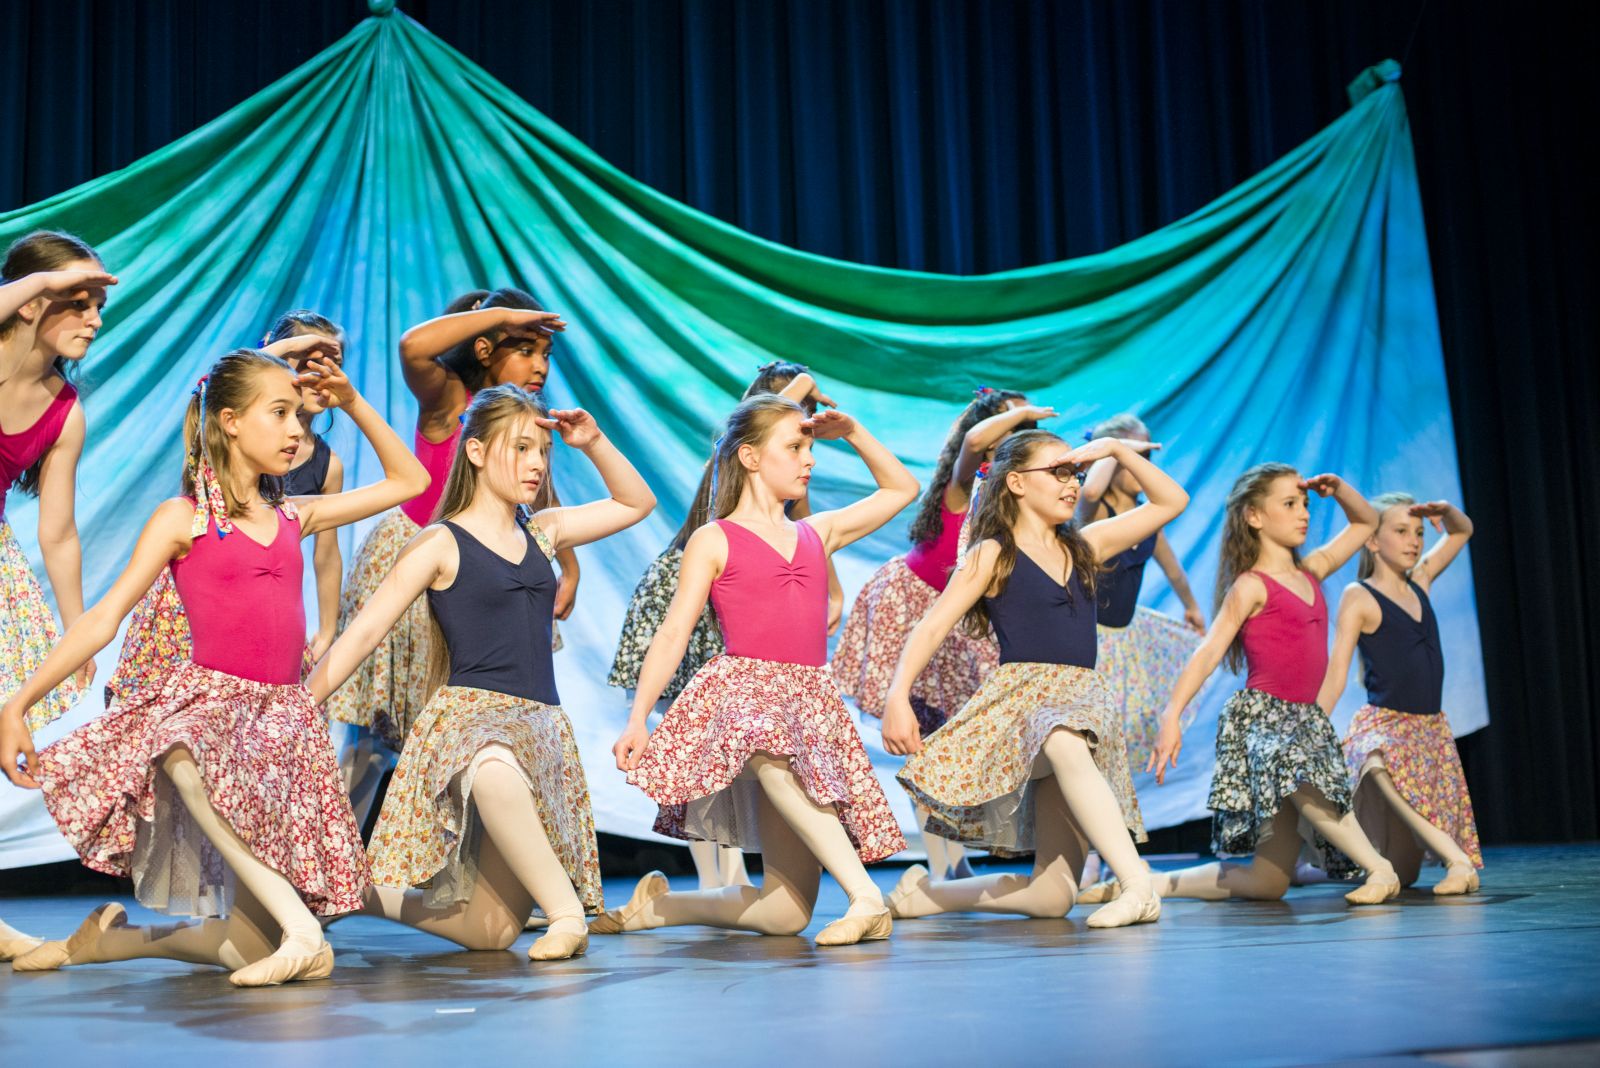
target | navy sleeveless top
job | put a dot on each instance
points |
(1040, 621)
(497, 618)
(1402, 660)
(1117, 588)
(307, 479)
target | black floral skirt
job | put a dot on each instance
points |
(1267, 748)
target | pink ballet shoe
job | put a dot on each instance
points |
(17, 944)
(848, 930)
(75, 948)
(1126, 910)
(910, 882)
(1375, 891)
(1458, 879)
(1100, 893)
(616, 921)
(560, 945)
(277, 969)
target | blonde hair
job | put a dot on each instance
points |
(233, 382)
(1241, 543)
(751, 423)
(488, 418)
(1368, 562)
(1122, 425)
(994, 516)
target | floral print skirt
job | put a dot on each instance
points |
(389, 689)
(1140, 664)
(646, 611)
(269, 772)
(158, 642)
(736, 707)
(428, 832)
(974, 775)
(27, 633)
(1420, 755)
(1267, 748)
(893, 601)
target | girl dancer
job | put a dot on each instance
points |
(488, 813)
(759, 750)
(1141, 651)
(216, 788)
(157, 639)
(715, 865)
(1278, 760)
(484, 339)
(900, 593)
(1410, 795)
(1044, 713)
(52, 290)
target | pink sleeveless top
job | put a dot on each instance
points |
(22, 450)
(1286, 643)
(771, 608)
(244, 603)
(932, 561)
(436, 457)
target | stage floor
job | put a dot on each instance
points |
(1304, 981)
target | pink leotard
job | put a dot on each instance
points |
(244, 604)
(22, 450)
(771, 608)
(932, 561)
(1286, 643)
(436, 457)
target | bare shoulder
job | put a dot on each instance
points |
(707, 542)
(1248, 593)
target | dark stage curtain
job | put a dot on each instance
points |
(978, 136)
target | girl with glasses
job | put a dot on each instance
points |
(1035, 761)
(900, 593)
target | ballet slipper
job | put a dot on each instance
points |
(1100, 893)
(280, 968)
(848, 930)
(537, 922)
(561, 945)
(1375, 891)
(17, 944)
(915, 877)
(1125, 910)
(616, 921)
(1458, 879)
(78, 947)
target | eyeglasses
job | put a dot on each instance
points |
(1063, 472)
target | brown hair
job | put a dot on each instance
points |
(1241, 543)
(42, 250)
(770, 378)
(487, 418)
(751, 424)
(930, 512)
(303, 321)
(232, 382)
(994, 516)
(1368, 562)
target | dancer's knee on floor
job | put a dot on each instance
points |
(1045, 897)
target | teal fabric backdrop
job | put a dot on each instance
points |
(1292, 319)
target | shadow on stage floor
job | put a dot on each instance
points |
(1507, 976)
